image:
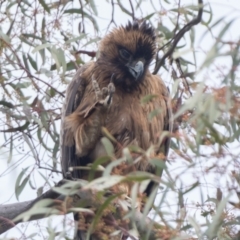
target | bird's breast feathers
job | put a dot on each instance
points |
(132, 120)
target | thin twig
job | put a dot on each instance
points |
(89, 53)
(132, 8)
(49, 169)
(83, 24)
(185, 82)
(178, 16)
(112, 18)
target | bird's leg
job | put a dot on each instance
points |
(104, 95)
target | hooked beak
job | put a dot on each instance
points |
(136, 69)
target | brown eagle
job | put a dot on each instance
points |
(107, 93)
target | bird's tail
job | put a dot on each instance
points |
(78, 234)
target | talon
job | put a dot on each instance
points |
(69, 175)
(95, 84)
(104, 95)
(111, 88)
(104, 92)
(96, 89)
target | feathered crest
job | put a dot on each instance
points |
(142, 26)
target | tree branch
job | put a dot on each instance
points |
(10, 211)
(178, 37)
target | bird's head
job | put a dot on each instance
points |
(127, 52)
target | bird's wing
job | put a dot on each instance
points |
(74, 95)
(168, 123)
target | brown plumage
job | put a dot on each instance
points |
(107, 93)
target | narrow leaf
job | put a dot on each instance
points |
(32, 62)
(19, 185)
(45, 6)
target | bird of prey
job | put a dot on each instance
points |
(108, 93)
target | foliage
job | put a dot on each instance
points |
(42, 43)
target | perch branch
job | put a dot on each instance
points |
(9, 212)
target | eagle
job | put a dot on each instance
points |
(108, 93)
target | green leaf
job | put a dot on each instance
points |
(45, 45)
(54, 53)
(31, 184)
(93, 6)
(100, 211)
(4, 37)
(32, 62)
(154, 113)
(6, 104)
(45, 178)
(45, 6)
(10, 150)
(98, 162)
(191, 188)
(43, 28)
(23, 85)
(70, 188)
(25, 62)
(71, 66)
(224, 30)
(78, 209)
(191, 102)
(103, 183)
(141, 176)
(64, 191)
(195, 225)
(74, 10)
(16, 129)
(20, 185)
(25, 40)
(164, 30)
(123, 8)
(148, 98)
(41, 207)
(31, 36)
(150, 201)
(75, 39)
(62, 60)
(149, 15)
(41, 141)
(139, 4)
(54, 154)
(11, 27)
(80, 11)
(108, 169)
(108, 146)
(158, 163)
(217, 221)
(107, 134)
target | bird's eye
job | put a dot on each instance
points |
(125, 54)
